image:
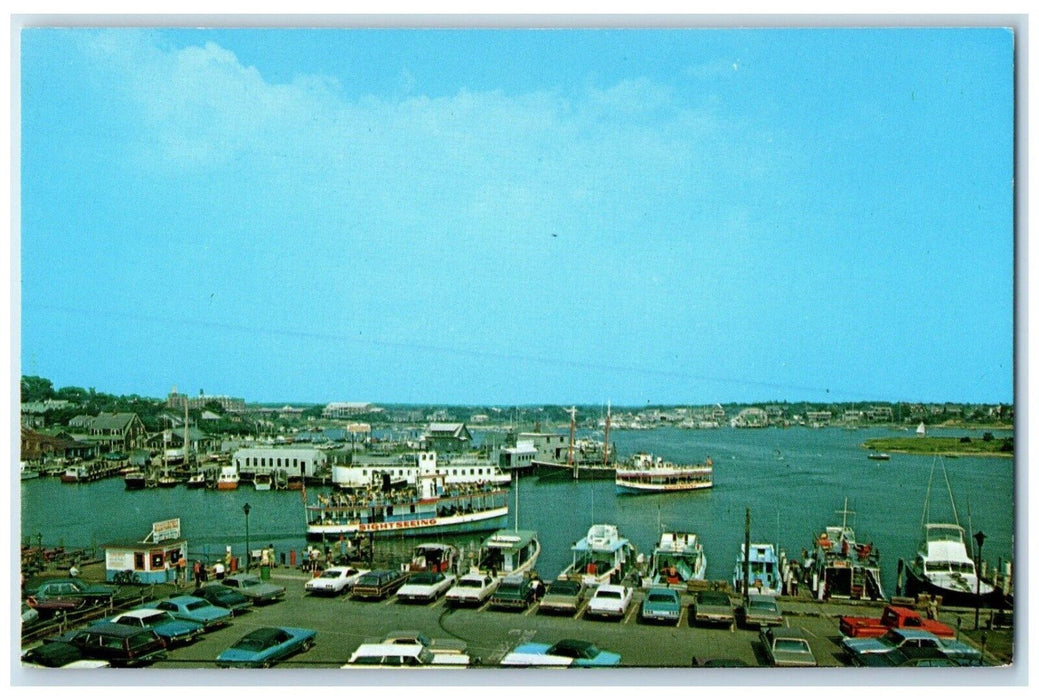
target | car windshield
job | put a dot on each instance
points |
(425, 578)
(250, 644)
(564, 588)
(763, 606)
(608, 594)
(796, 646)
(471, 583)
(154, 618)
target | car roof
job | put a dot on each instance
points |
(114, 629)
(142, 612)
(389, 649)
(610, 587)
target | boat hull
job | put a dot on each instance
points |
(420, 527)
(916, 585)
(586, 472)
(226, 485)
(628, 488)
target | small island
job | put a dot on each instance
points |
(987, 445)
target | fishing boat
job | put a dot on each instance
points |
(677, 559)
(167, 480)
(586, 458)
(281, 479)
(433, 556)
(196, 481)
(135, 480)
(767, 567)
(601, 556)
(943, 565)
(28, 472)
(431, 509)
(507, 553)
(839, 566)
(645, 474)
(263, 481)
(228, 479)
(879, 456)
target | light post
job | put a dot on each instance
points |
(246, 510)
(979, 537)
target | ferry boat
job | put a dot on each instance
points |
(841, 567)
(767, 568)
(406, 470)
(601, 556)
(943, 565)
(677, 559)
(646, 474)
(433, 508)
(228, 479)
(508, 553)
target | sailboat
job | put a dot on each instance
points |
(943, 565)
(585, 458)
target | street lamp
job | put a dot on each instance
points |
(246, 509)
(979, 537)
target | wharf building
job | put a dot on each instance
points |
(297, 463)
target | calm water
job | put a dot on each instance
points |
(793, 480)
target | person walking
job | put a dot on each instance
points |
(198, 573)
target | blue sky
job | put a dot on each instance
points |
(526, 216)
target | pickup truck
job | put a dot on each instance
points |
(893, 617)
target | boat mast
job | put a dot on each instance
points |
(570, 452)
(186, 443)
(606, 437)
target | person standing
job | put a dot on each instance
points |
(198, 573)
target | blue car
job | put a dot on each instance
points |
(661, 605)
(198, 610)
(261, 648)
(169, 628)
(565, 652)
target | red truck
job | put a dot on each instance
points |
(893, 617)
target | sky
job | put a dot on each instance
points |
(509, 217)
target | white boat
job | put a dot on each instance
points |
(507, 553)
(677, 559)
(943, 565)
(921, 429)
(408, 470)
(228, 479)
(601, 556)
(432, 509)
(28, 472)
(645, 474)
(263, 481)
(766, 571)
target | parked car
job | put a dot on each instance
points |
(403, 655)
(60, 655)
(68, 589)
(563, 596)
(254, 589)
(119, 645)
(224, 597)
(199, 610)
(29, 614)
(786, 646)
(760, 611)
(609, 601)
(173, 631)
(472, 589)
(960, 652)
(515, 592)
(565, 652)
(379, 584)
(661, 605)
(334, 580)
(443, 645)
(265, 646)
(912, 656)
(713, 608)
(425, 587)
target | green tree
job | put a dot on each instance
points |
(36, 389)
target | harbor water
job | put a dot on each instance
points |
(793, 480)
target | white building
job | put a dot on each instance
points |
(455, 470)
(303, 462)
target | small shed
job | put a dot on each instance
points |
(153, 559)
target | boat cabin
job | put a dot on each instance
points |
(509, 551)
(601, 556)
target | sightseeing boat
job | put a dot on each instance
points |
(406, 470)
(601, 556)
(839, 566)
(508, 553)
(943, 565)
(646, 474)
(677, 559)
(431, 509)
(767, 567)
(228, 478)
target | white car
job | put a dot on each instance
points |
(609, 600)
(472, 589)
(334, 580)
(425, 587)
(403, 656)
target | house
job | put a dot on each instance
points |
(116, 432)
(447, 437)
(40, 447)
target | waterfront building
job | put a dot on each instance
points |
(346, 409)
(298, 462)
(152, 559)
(226, 403)
(447, 437)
